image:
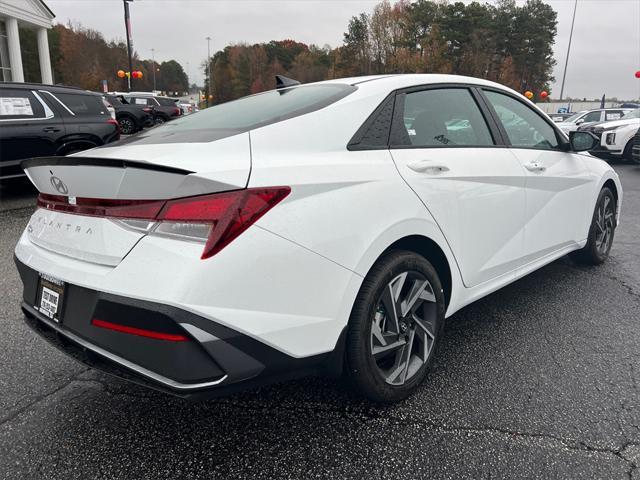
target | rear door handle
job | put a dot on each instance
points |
(50, 129)
(535, 167)
(425, 166)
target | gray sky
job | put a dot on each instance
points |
(605, 52)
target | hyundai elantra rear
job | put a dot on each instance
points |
(276, 235)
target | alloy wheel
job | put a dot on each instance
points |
(403, 327)
(604, 225)
(126, 126)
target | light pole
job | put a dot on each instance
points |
(153, 59)
(208, 69)
(127, 24)
(566, 61)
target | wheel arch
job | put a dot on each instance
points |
(429, 249)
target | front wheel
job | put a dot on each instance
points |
(601, 231)
(395, 326)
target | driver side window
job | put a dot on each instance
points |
(524, 126)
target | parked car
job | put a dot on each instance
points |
(131, 118)
(635, 150)
(616, 138)
(164, 108)
(322, 228)
(560, 117)
(587, 117)
(44, 120)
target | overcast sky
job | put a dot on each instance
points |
(605, 52)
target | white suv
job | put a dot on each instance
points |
(585, 117)
(616, 138)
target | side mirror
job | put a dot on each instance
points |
(583, 141)
(580, 121)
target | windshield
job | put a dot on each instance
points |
(574, 117)
(632, 114)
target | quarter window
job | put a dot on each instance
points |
(524, 126)
(442, 117)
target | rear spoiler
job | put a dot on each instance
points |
(99, 162)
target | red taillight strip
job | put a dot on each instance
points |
(172, 337)
(228, 213)
(100, 207)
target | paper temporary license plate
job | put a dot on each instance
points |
(50, 297)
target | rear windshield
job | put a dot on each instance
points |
(83, 104)
(250, 112)
(166, 102)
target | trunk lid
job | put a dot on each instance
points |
(127, 172)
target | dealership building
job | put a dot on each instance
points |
(16, 14)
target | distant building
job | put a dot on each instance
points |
(15, 14)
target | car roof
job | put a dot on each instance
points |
(381, 83)
(49, 88)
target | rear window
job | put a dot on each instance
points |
(83, 104)
(166, 102)
(252, 112)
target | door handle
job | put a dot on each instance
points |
(535, 167)
(50, 129)
(425, 166)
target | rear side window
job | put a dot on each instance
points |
(613, 115)
(166, 102)
(254, 111)
(19, 104)
(442, 117)
(83, 104)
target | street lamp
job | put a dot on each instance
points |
(566, 61)
(153, 60)
(208, 69)
(127, 24)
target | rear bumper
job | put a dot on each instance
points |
(214, 360)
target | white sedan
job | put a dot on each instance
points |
(322, 228)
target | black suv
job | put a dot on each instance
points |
(164, 108)
(42, 120)
(131, 118)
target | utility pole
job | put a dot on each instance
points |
(127, 24)
(208, 69)
(566, 61)
(153, 59)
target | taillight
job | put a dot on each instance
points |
(147, 109)
(177, 111)
(99, 207)
(113, 121)
(216, 219)
(219, 218)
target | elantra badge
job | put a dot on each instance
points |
(59, 185)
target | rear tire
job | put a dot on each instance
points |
(601, 231)
(127, 125)
(626, 154)
(395, 327)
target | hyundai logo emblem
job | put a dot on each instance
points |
(59, 185)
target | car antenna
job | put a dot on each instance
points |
(285, 82)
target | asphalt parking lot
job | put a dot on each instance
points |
(539, 380)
